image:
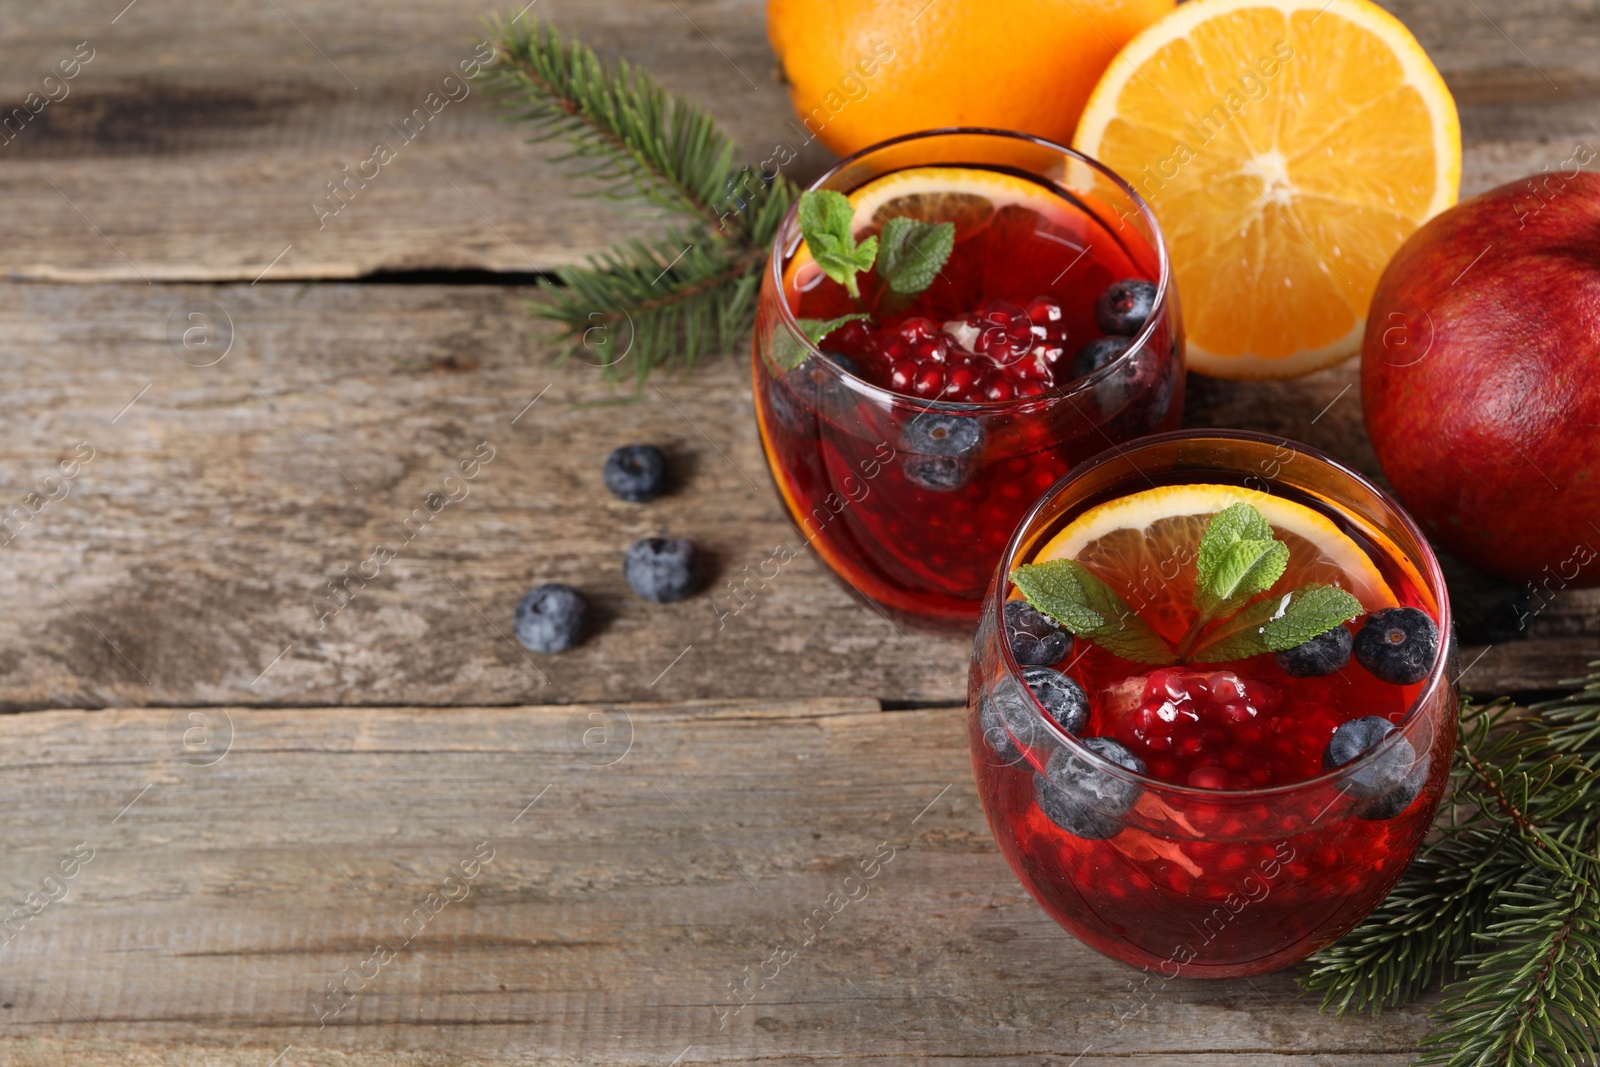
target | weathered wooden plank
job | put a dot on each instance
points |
(169, 162)
(189, 562)
(615, 895)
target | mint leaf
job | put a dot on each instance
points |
(789, 353)
(913, 252)
(1315, 609)
(1069, 593)
(1278, 623)
(1236, 559)
(825, 218)
(1241, 636)
(1242, 570)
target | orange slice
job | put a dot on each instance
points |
(966, 196)
(1144, 547)
(1288, 148)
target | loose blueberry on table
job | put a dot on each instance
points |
(662, 569)
(550, 618)
(636, 473)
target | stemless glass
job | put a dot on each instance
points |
(915, 531)
(1212, 883)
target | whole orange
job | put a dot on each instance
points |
(861, 71)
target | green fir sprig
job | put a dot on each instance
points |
(1503, 906)
(646, 302)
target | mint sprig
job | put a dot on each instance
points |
(788, 353)
(825, 218)
(1237, 560)
(913, 252)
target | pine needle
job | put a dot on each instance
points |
(643, 303)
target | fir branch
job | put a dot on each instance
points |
(629, 131)
(1532, 998)
(1419, 933)
(652, 302)
(1504, 906)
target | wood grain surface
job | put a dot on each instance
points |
(193, 147)
(189, 561)
(271, 788)
(627, 885)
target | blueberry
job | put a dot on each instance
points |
(661, 569)
(1070, 772)
(1034, 636)
(549, 618)
(1400, 797)
(1323, 654)
(636, 472)
(1062, 698)
(1125, 306)
(1383, 773)
(811, 389)
(1008, 719)
(1085, 800)
(1068, 812)
(1096, 354)
(940, 450)
(1398, 645)
(999, 729)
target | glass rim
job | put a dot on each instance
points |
(1074, 387)
(1428, 567)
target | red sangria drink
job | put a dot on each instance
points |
(1210, 715)
(950, 322)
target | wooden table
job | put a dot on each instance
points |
(569, 860)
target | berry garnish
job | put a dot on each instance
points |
(1096, 354)
(1398, 645)
(661, 569)
(1033, 636)
(1323, 654)
(636, 473)
(1125, 306)
(1062, 698)
(1387, 771)
(1084, 799)
(1009, 720)
(1001, 725)
(939, 450)
(810, 388)
(549, 618)
(1400, 797)
(1196, 727)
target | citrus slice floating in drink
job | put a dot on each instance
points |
(970, 197)
(1288, 148)
(1144, 547)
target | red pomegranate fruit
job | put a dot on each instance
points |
(1480, 378)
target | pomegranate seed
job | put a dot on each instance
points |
(997, 390)
(960, 382)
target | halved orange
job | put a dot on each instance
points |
(1288, 148)
(1144, 547)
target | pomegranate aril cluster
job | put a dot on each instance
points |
(1200, 728)
(1000, 352)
